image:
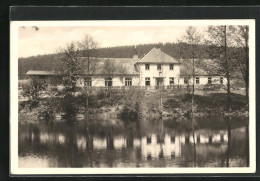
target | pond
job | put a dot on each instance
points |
(214, 142)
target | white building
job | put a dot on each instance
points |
(158, 69)
(155, 69)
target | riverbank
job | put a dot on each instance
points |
(132, 105)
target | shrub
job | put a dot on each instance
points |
(171, 104)
(132, 105)
(46, 113)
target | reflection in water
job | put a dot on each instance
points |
(70, 145)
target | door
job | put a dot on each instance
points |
(159, 82)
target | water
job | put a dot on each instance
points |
(217, 142)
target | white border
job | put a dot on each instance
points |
(14, 25)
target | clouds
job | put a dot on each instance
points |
(49, 39)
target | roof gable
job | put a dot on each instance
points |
(157, 56)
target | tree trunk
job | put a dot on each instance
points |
(88, 61)
(86, 108)
(228, 92)
(227, 69)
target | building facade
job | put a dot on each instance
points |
(155, 69)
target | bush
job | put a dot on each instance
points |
(69, 107)
(33, 88)
(46, 113)
(171, 104)
(132, 105)
(133, 113)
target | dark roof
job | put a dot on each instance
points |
(124, 66)
(203, 67)
(157, 56)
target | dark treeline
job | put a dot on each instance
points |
(175, 50)
(52, 62)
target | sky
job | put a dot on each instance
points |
(47, 40)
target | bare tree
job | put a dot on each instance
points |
(193, 38)
(87, 48)
(109, 68)
(240, 37)
(220, 43)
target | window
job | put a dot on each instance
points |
(197, 80)
(108, 82)
(149, 140)
(87, 82)
(147, 81)
(171, 66)
(185, 81)
(128, 81)
(147, 67)
(209, 80)
(159, 67)
(221, 80)
(171, 80)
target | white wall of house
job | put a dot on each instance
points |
(98, 81)
(165, 72)
(153, 73)
(203, 80)
(117, 81)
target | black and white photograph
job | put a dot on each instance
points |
(143, 96)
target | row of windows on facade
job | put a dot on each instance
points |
(108, 81)
(197, 81)
(128, 81)
(159, 66)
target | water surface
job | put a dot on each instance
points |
(214, 142)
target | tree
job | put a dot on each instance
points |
(240, 36)
(193, 55)
(193, 39)
(87, 49)
(71, 67)
(221, 41)
(79, 61)
(110, 69)
(70, 70)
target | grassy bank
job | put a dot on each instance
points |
(131, 105)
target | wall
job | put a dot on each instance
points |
(117, 81)
(204, 80)
(153, 72)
